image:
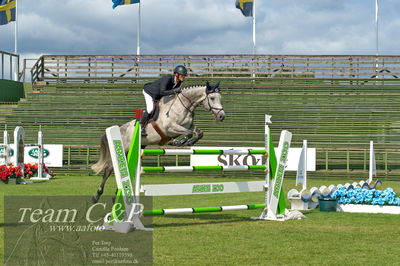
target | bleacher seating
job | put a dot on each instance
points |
(333, 115)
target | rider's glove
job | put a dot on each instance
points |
(177, 90)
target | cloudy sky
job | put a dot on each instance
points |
(203, 27)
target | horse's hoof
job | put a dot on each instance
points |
(95, 199)
(182, 143)
(113, 199)
(191, 142)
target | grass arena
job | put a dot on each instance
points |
(336, 109)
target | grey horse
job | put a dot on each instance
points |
(175, 119)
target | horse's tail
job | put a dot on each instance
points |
(105, 157)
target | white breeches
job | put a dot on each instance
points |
(149, 102)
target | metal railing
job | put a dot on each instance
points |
(27, 66)
(9, 66)
(53, 67)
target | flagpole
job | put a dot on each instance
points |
(16, 28)
(376, 37)
(254, 36)
(376, 27)
(254, 27)
(138, 31)
(16, 38)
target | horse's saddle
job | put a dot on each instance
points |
(156, 107)
(154, 116)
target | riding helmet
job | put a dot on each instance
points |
(180, 70)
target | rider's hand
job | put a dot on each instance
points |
(177, 90)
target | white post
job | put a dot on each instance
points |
(372, 162)
(40, 153)
(19, 142)
(40, 158)
(6, 147)
(305, 164)
(267, 136)
(301, 175)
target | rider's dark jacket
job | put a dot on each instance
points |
(161, 87)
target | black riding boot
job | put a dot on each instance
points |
(143, 122)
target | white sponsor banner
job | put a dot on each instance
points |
(224, 160)
(53, 155)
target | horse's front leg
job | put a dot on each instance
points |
(175, 129)
(198, 134)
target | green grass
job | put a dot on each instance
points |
(231, 238)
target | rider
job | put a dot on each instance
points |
(154, 91)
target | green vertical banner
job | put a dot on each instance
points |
(134, 151)
(272, 165)
(125, 194)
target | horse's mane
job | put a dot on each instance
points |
(193, 87)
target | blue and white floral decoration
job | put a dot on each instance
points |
(359, 195)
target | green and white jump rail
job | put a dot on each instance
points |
(182, 169)
(203, 152)
(159, 212)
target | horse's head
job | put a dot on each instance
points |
(212, 102)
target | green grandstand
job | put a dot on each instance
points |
(338, 113)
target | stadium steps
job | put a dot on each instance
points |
(6, 109)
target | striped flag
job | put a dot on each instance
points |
(7, 11)
(246, 6)
(123, 2)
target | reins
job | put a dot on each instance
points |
(193, 105)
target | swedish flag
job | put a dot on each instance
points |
(7, 11)
(246, 6)
(123, 2)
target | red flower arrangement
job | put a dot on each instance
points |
(31, 169)
(11, 171)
